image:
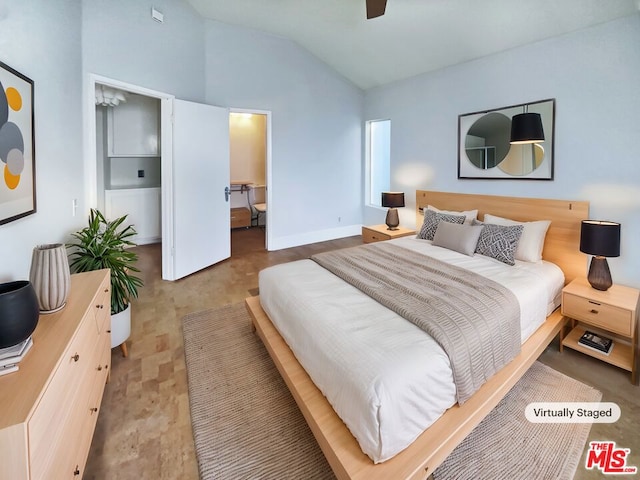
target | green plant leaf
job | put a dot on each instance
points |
(102, 244)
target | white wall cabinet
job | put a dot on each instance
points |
(142, 207)
(134, 127)
(132, 166)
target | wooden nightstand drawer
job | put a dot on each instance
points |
(378, 233)
(599, 314)
(370, 236)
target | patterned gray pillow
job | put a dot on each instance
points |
(431, 221)
(499, 241)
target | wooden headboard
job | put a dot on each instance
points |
(562, 242)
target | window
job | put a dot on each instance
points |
(379, 159)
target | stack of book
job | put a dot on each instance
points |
(10, 357)
(596, 342)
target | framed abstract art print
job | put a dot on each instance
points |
(17, 146)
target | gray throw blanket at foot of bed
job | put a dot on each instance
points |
(474, 319)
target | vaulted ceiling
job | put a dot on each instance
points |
(414, 36)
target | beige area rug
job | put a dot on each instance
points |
(246, 425)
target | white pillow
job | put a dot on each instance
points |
(470, 215)
(531, 242)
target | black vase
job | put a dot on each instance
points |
(19, 312)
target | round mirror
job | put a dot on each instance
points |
(487, 141)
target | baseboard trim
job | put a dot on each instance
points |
(306, 238)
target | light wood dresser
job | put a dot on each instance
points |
(49, 407)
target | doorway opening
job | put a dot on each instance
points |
(249, 153)
(128, 160)
(192, 208)
(98, 172)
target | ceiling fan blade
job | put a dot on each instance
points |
(375, 8)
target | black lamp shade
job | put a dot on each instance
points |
(600, 238)
(393, 199)
(526, 128)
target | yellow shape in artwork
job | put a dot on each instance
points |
(11, 180)
(14, 99)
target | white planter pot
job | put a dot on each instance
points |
(120, 327)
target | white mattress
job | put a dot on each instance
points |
(386, 378)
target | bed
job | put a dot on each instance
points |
(431, 447)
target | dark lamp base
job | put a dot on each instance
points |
(392, 220)
(599, 274)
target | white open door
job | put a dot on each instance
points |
(200, 175)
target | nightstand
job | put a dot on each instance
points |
(612, 314)
(377, 233)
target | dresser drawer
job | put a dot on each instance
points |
(601, 315)
(48, 438)
(102, 306)
(240, 217)
(93, 387)
(370, 236)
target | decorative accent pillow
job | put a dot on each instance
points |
(499, 242)
(431, 221)
(532, 240)
(460, 238)
(470, 215)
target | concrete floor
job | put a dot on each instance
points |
(144, 429)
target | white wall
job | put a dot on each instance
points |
(593, 75)
(122, 42)
(42, 40)
(316, 113)
(316, 130)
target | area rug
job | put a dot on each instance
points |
(246, 425)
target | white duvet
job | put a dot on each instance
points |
(386, 378)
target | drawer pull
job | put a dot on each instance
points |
(594, 303)
(100, 306)
(76, 357)
(99, 368)
(106, 367)
(76, 472)
(593, 310)
(108, 331)
(94, 409)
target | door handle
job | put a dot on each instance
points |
(227, 193)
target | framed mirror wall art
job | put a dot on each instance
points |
(508, 143)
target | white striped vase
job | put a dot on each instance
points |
(50, 276)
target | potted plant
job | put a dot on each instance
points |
(103, 244)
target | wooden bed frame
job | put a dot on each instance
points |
(430, 449)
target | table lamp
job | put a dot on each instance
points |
(600, 239)
(392, 200)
